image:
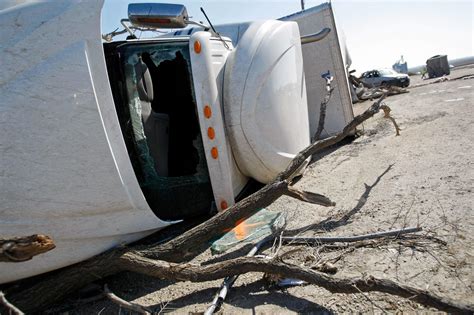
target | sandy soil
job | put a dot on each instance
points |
(380, 182)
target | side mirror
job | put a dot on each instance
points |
(158, 15)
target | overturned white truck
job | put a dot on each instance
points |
(105, 143)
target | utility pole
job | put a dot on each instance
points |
(302, 5)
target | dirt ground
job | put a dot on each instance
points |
(379, 181)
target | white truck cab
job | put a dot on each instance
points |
(104, 143)
(200, 117)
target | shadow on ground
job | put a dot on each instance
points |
(331, 223)
(248, 297)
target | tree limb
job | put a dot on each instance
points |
(387, 111)
(23, 248)
(322, 112)
(348, 239)
(125, 304)
(309, 197)
(199, 273)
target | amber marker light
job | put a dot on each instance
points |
(211, 133)
(214, 153)
(224, 205)
(197, 47)
(207, 111)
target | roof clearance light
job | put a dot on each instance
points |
(197, 47)
(224, 205)
(214, 153)
(211, 133)
(207, 111)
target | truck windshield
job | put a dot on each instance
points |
(168, 155)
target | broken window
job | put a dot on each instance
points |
(163, 128)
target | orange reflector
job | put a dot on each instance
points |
(224, 205)
(214, 153)
(207, 111)
(211, 133)
(197, 47)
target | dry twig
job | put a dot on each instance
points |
(347, 239)
(387, 111)
(18, 249)
(322, 109)
(125, 304)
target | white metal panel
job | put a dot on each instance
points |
(219, 54)
(265, 99)
(206, 63)
(64, 168)
(319, 57)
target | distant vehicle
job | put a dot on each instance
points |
(384, 77)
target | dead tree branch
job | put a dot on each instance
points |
(348, 239)
(125, 304)
(24, 248)
(199, 273)
(12, 309)
(310, 197)
(322, 109)
(387, 111)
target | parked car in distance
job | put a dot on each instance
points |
(384, 77)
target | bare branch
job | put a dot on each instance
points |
(197, 273)
(322, 111)
(23, 248)
(348, 239)
(310, 197)
(387, 111)
(125, 304)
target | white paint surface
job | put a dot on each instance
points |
(265, 99)
(207, 67)
(319, 57)
(65, 170)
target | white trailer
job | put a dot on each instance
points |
(328, 55)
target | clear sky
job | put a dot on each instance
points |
(377, 32)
